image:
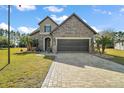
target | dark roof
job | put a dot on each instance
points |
(48, 18)
(79, 20)
(35, 31)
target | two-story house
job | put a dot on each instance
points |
(72, 35)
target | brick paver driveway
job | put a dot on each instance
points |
(83, 70)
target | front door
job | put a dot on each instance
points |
(47, 44)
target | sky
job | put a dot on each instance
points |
(26, 18)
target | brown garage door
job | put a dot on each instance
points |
(73, 45)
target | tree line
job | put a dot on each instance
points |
(17, 39)
(14, 37)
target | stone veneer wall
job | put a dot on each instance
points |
(47, 21)
(72, 28)
(42, 35)
(40, 40)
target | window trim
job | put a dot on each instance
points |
(47, 25)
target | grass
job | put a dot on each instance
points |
(26, 69)
(118, 55)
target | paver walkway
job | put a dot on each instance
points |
(83, 70)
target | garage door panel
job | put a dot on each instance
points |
(72, 44)
(73, 49)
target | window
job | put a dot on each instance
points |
(35, 43)
(47, 28)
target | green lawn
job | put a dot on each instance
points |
(118, 55)
(25, 70)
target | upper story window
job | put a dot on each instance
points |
(47, 28)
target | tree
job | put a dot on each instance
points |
(26, 41)
(119, 36)
(104, 41)
(110, 34)
(1, 32)
(29, 43)
(15, 37)
(3, 41)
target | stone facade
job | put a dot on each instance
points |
(72, 27)
(40, 40)
(42, 35)
(47, 21)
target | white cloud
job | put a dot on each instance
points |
(109, 13)
(5, 26)
(122, 10)
(59, 19)
(103, 11)
(54, 9)
(26, 30)
(25, 7)
(96, 29)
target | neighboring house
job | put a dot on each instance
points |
(71, 35)
(119, 45)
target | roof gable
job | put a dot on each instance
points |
(38, 29)
(47, 18)
(79, 20)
